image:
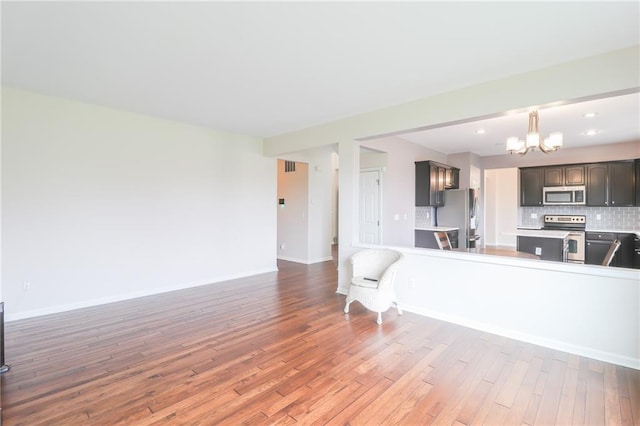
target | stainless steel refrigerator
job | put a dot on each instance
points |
(461, 210)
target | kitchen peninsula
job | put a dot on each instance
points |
(424, 236)
(549, 245)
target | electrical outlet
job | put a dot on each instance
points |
(26, 286)
(598, 217)
(534, 215)
(538, 251)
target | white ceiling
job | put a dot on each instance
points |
(266, 68)
(617, 120)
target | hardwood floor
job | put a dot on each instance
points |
(277, 349)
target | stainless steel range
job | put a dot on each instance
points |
(576, 225)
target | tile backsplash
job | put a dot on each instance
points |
(611, 218)
(424, 216)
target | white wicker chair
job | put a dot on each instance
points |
(374, 272)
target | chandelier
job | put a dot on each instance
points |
(534, 140)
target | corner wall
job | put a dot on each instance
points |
(102, 205)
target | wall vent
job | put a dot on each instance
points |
(289, 166)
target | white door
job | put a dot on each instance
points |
(370, 207)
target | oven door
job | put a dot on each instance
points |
(575, 249)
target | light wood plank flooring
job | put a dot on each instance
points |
(277, 349)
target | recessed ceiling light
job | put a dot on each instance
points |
(591, 132)
(480, 132)
(590, 114)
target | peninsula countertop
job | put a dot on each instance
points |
(529, 232)
(436, 228)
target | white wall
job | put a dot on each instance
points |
(469, 165)
(591, 311)
(599, 75)
(293, 216)
(335, 167)
(320, 208)
(501, 206)
(399, 187)
(101, 205)
(321, 203)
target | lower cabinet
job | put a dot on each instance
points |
(426, 239)
(595, 251)
(597, 245)
(546, 248)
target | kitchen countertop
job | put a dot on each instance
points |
(437, 228)
(617, 231)
(531, 232)
(499, 252)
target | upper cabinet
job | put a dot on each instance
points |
(611, 184)
(531, 183)
(637, 182)
(597, 184)
(431, 181)
(564, 175)
(452, 178)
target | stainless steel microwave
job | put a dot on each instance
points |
(563, 195)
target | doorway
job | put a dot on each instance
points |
(307, 205)
(370, 196)
(501, 206)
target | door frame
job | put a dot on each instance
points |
(379, 171)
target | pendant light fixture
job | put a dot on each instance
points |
(534, 140)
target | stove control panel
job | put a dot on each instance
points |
(573, 219)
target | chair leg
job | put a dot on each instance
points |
(398, 308)
(346, 308)
(379, 321)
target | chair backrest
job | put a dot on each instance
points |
(613, 248)
(373, 263)
(443, 240)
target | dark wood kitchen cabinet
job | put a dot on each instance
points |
(621, 184)
(597, 245)
(546, 248)
(531, 183)
(611, 184)
(425, 239)
(553, 176)
(574, 175)
(564, 175)
(452, 178)
(625, 257)
(637, 164)
(595, 251)
(430, 183)
(597, 185)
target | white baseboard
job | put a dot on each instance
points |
(528, 338)
(126, 296)
(305, 261)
